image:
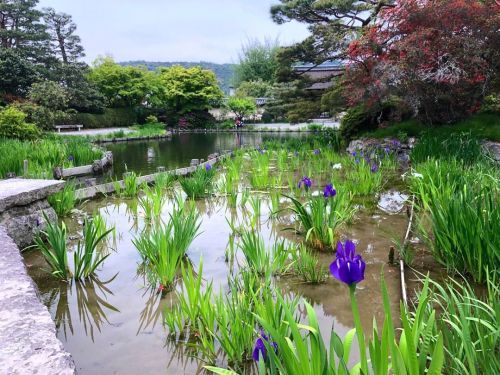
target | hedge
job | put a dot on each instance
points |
(112, 117)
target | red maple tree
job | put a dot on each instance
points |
(440, 56)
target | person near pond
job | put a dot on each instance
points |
(239, 121)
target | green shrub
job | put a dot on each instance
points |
(13, 125)
(356, 121)
(151, 119)
(112, 117)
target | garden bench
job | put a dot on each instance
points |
(64, 127)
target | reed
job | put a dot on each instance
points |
(199, 185)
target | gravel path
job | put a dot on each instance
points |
(96, 131)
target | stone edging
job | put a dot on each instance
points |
(28, 338)
(109, 188)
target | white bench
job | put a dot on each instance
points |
(64, 127)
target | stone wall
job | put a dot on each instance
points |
(23, 203)
(28, 342)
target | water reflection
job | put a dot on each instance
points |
(91, 301)
(144, 157)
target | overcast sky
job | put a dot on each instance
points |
(173, 30)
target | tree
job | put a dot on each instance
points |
(440, 57)
(122, 86)
(254, 89)
(49, 94)
(24, 52)
(241, 107)
(333, 25)
(188, 89)
(64, 42)
(257, 61)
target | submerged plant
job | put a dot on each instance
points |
(64, 201)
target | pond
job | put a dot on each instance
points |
(114, 322)
(143, 157)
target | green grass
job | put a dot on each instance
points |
(199, 184)
(470, 326)
(46, 153)
(483, 125)
(65, 200)
(87, 258)
(52, 243)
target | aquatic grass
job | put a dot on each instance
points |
(307, 266)
(262, 259)
(199, 184)
(163, 248)
(470, 326)
(165, 180)
(152, 202)
(131, 186)
(52, 243)
(65, 200)
(364, 178)
(459, 216)
(46, 153)
(320, 219)
(86, 256)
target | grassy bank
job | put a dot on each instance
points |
(44, 154)
(145, 130)
(483, 125)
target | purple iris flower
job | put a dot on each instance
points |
(71, 158)
(348, 267)
(374, 168)
(208, 167)
(353, 153)
(306, 181)
(396, 143)
(317, 151)
(329, 191)
(356, 161)
(260, 347)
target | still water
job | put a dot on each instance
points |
(113, 323)
(143, 157)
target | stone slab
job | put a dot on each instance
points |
(28, 342)
(20, 191)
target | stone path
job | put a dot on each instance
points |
(28, 342)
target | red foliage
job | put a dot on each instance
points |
(438, 55)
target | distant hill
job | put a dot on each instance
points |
(224, 72)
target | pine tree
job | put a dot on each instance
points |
(64, 43)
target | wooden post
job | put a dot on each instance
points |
(25, 168)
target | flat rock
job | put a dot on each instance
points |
(27, 333)
(20, 191)
(392, 201)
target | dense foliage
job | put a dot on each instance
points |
(436, 59)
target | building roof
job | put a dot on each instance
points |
(328, 65)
